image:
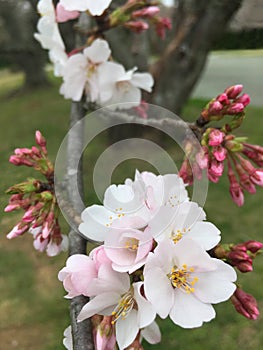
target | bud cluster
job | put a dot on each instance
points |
(35, 157)
(220, 147)
(138, 16)
(230, 102)
(240, 255)
(37, 200)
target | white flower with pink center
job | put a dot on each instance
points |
(126, 304)
(81, 71)
(181, 280)
(185, 220)
(127, 248)
(96, 8)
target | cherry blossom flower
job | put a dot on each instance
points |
(118, 88)
(96, 8)
(181, 280)
(77, 275)
(49, 36)
(115, 296)
(186, 220)
(127, 248)
(119, 201)
(141, 198)
(81, 71)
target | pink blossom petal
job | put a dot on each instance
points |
(62, 15)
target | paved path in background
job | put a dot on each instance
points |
(225, 69)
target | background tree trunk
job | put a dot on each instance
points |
(198, 24)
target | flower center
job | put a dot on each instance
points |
(176, 236)
(124, 306)
(182, 279)
(123, 86)
(132, 244)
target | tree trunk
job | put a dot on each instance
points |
(198, 24)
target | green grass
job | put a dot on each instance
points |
(33, 311)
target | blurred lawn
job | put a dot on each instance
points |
(32, 309)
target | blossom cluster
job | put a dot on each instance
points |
(220, 146)
(153, 261)
(90, 72)
(37, 199)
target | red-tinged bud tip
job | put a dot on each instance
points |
(137, 26)
(147, 12)
(245, 304)
(233, 91)
(244, 99)
(253, 246)
(40, 140)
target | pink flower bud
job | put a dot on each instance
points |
(245, 304)
(235, 108)
(216, 137)
(244, 99)
(11, 207)
(257, 177)
(213, 178)
(233, 91)
(18, 230)
(41, 141)
(245, 181)
(137, 26)
(244, 266)
(215, 107)
(62, 15)
(216, 168)
(186, 172)
(161, 25)
(237, 194)
(146, 12)
(202, 158)
(219, 153)
(253, 246)
(223, 99)
(23, 151)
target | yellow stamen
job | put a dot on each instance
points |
(182, 279)
(125, 305)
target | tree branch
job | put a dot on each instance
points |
(81, 332)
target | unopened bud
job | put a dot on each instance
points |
(233, 91)
(245, 304)
(137, 26)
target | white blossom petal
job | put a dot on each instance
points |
(152, 333)
(189, 312)
(98, 304)
(126, 330)
(98, 52)
(216, 286)
(146, 312)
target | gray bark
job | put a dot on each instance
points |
(198, 24)
(81, 332)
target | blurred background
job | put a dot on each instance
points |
(212, 45)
